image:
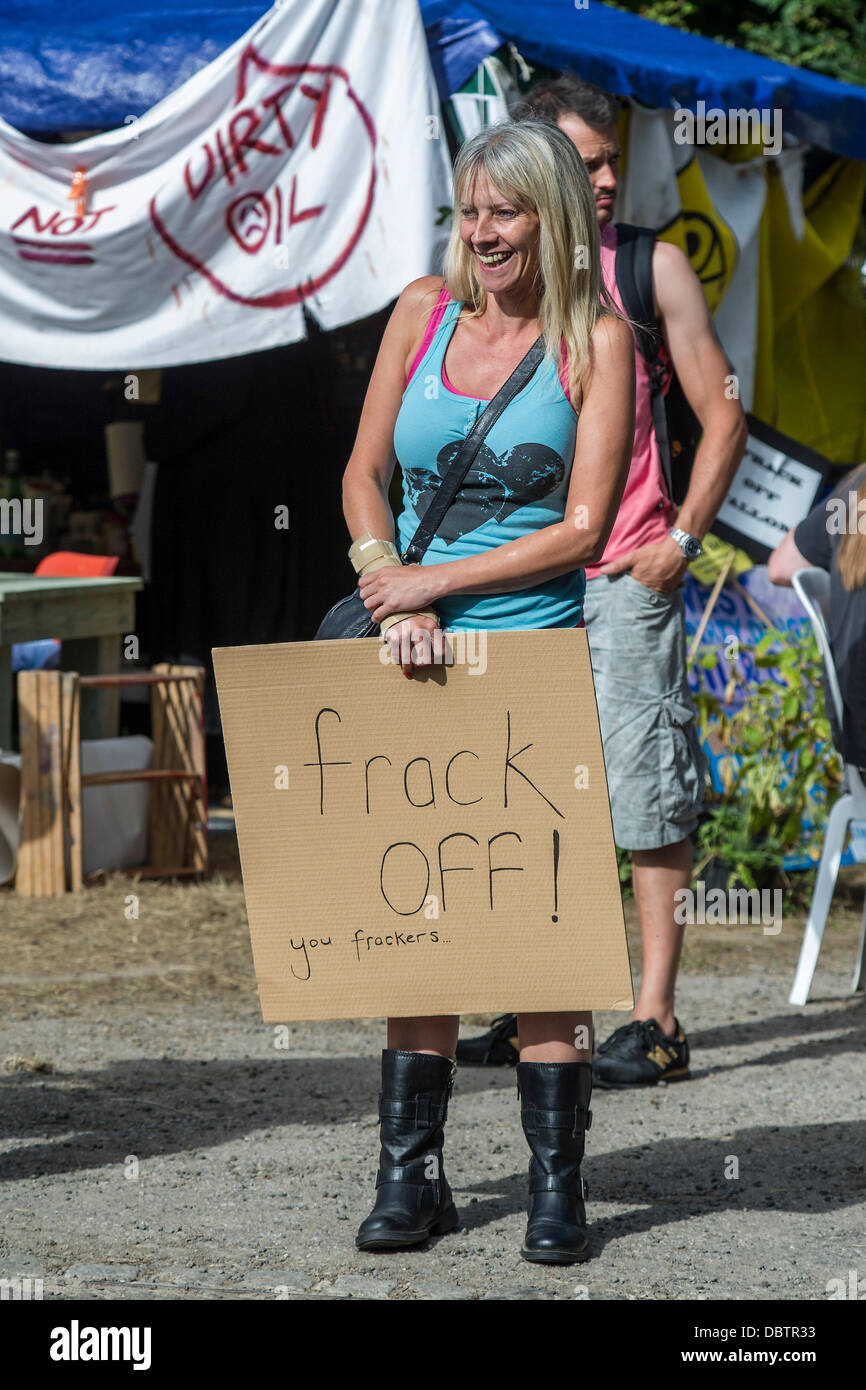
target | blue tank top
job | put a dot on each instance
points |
(517, 483)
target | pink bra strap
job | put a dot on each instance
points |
(563, 372)
(434, 322)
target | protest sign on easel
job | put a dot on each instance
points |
(429, 847)
(774, 488)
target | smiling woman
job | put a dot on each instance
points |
(523, 261)
(528, 229)
(537, 504)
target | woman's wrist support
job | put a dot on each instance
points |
(368, 554)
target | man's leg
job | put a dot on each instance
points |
(654, 769)
(657, 874)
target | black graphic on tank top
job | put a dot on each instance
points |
(495, 486)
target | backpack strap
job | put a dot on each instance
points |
(633, 271)
(634, 280)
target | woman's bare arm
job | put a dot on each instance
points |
(786, 560)
(371, 464)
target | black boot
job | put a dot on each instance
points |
(555, 1115)
(413, 1199)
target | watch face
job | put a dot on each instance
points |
(692, 548)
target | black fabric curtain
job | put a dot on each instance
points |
(234, 439)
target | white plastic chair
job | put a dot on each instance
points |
(813, 591)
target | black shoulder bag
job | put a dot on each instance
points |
(349, 617)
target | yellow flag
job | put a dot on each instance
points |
(811, 369)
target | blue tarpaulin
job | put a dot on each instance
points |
(91, 64)
(658, 65)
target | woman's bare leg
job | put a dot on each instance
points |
(552, 1037)
(437, 1034)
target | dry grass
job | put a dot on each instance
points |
(17, 1062)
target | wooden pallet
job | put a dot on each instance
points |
(50, 849)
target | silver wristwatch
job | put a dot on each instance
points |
(689, 545)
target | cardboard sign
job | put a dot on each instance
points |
(775, 487)
(435, 846)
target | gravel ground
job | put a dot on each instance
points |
(174, 1152)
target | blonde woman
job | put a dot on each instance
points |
(523, 260)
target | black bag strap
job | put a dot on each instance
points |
(634, 279)
(463, 460)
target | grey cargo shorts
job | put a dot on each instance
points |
(652, 755)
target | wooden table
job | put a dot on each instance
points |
(90, 616)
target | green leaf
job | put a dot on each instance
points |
(827, 36)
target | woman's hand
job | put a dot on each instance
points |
(398, 589)
(416, 640)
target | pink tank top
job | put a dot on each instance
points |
(646, 512)
(436, 319)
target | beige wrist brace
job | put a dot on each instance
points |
(368, 554)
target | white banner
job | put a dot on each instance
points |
(305, 166)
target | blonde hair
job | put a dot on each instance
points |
(534, 164)
(851, 553)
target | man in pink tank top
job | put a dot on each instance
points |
(634, 616)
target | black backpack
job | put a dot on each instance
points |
(677, 429)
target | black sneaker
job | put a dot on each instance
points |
(640, 1054)
(497, 1048)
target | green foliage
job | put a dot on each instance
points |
(623, 863)
(773, 774)
(725, 838)
(827, 36)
